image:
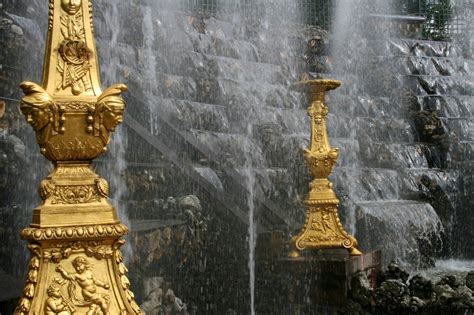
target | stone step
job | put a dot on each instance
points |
(434, 182)
(232, 68)
(394, 155)
(174, 31)
(415, 47)
(461, 128)
(369, 183)
(424, 65)
(379, 225)
(193, 115)
(200, 66)
(241, 96)
(398, 64)
(441, 85)
(231, 148)
(267, 120)
(385, 130)
(462, 151)
(366, 106)
(447, 106)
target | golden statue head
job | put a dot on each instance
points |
(110, 107)
(70, 6)
(53, 291)
(81, 264)
(113, 116)
(37, 105)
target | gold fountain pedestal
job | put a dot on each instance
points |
(322, 228)
(76, 266)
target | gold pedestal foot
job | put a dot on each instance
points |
(294, 254)
(354, 251)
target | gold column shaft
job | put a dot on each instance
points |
(322, 228)
(76, 265)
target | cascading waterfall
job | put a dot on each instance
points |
(365, 60)
(116, 164)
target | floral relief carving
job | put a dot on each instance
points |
(75, 194)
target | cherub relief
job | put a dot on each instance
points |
(56, 304)
(84, 277)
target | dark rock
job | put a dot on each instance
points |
(470, 280)
(394, 272)
(392, 295)
(416, 304)
(444, 294)
(452, 280)
(421, 287)
(463, 297)
(17, 30)
(361, 291)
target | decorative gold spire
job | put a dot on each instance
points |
(76, 266)
(322, 228)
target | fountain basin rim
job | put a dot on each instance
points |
(315, 85)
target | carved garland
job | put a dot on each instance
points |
(122, 270)
(24, 304)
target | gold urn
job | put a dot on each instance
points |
(76, 265)
(322, 228)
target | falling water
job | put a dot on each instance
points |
(252, 238)
(276, 50)
(116, 164)
(149, 35)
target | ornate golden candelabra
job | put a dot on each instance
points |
(76, 266)
(322, 228)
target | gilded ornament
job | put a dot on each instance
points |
(56, 303)
(75, 194)
(75, 236)
(322, 228)
(84, 278)
(46, 189)
(108, 113)
(102, 187)
(40, 111)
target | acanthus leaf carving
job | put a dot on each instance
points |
(75, 194)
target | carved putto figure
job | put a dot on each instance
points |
(87, 281)
(56, 303)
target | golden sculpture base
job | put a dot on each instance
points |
(80, 269)
(323, 230)
(76, 268)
